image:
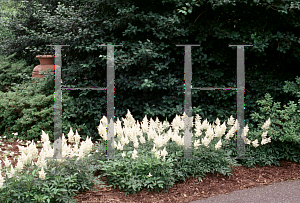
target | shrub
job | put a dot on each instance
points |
(149, 68)
(13, 72)
(62, 182)
(27, 106)
(284, 130)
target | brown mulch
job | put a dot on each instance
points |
(211, 184)
(191, 190)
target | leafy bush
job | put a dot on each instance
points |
(283, 145)
(27, 106)
(284, 130)
(8, 10)
(63, 181)
(132, 175)
(149, 68)
(13, 72)
(146, 171)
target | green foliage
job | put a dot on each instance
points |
(13, 72)
(27, 104)
(149, 68)
(63, 181)
(211, 161)
(288, 130)
(283, 131)
(8, 10)
(133, 176)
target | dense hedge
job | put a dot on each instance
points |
(149, 32)
(27, 108)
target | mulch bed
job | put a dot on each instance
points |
(191, 190)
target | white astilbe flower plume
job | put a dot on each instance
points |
(7, 162)
(120, 146)
(218, 145)
(158, 141)
(145, 125)
(24, 157)
(197, 144)
(118, 129)
(136, 144)
(205, 124)
(157, 154)
(124, 140)
(217, 121)
(102, 131)
(20, 165)
(246, 130)
(164, 153)
(205, 141)
(103, 121)
(255, 143)
(44, 136)
(1, 180)
(265, 141)
(266, 124)
(230, 120)
(230, 133)
(11, 173)
(42, 174)
(123, 154)
(41, 161)
(71, 136)
(142, 140)
(264, 135)
(153, 149)
(134, 154)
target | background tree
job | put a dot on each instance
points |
(8, 9)
(149, 68)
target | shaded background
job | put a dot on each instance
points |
(149, 32)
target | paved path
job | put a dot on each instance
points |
(281, 192)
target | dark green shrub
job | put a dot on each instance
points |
(13, 72)
(27, 107)
(284, 130)
(149, 68)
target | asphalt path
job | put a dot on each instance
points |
(280, 192)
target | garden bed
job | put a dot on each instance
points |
(191, 190)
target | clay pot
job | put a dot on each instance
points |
(46, 62)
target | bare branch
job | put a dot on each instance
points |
(199, 16)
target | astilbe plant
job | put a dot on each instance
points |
(56, 181)
(154, 164)
(150, 165)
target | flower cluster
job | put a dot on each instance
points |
(31, 152)
(131, 131)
